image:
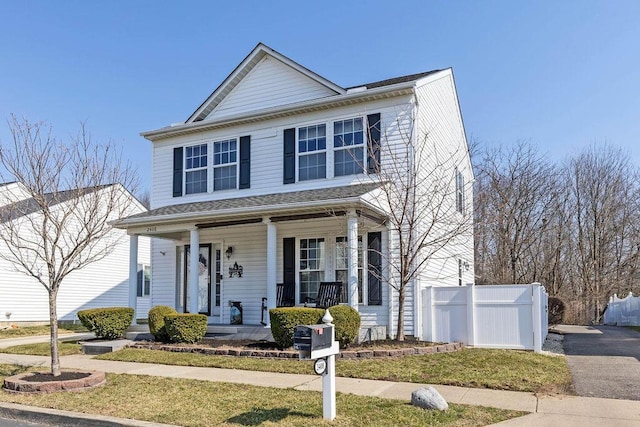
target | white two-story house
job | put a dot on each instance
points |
(275, 180)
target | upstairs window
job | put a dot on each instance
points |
(348, 144)
(225, 164)
(312, 156)
(459, 192)
(196, 169)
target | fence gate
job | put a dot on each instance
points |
(504, 316)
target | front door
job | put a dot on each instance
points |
(204, 279)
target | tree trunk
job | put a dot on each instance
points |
(401, 298)
(53, 320)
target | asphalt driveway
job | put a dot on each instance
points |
(604, 360)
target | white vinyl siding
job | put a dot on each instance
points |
(269, 84)
(104, 283)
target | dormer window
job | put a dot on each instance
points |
(196, 169)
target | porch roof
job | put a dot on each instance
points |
(349, 196)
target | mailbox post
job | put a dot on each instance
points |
(317, 342)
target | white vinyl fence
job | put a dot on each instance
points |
(623, 312)
(502, 316)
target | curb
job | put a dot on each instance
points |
(67, 418)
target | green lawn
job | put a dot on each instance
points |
(65, 348)
(635, 328)
(484, 368)
(201, 403)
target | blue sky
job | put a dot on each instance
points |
(560, 74)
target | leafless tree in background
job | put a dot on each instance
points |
(73, 189)
(603, 189)
(572, 226)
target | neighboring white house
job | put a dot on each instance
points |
(274, 176)
(104, 283)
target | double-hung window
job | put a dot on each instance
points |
(312, 155)
(311, 267)
(348, 145)
(342, 265)
(196, 169)
(144, 280)
(225, 161)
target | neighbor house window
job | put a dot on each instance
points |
(342, 265)
(459, 192)
(196, 169)
(348, 145)
(144, 280)
(460, 267)
(225, 158)
(311, 267)
(312, 156)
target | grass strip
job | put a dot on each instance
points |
(201, 403)
(29, 331)
(65, 348)
(480, 368)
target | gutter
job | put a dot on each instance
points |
(399, 89)
(196, 216)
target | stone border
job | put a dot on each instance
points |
(16, 383)
(292, 354)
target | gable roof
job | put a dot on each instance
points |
(247, 64)
(398, 86)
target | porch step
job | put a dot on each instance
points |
(101, 347)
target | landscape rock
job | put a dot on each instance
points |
(428, 398)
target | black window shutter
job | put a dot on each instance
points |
(373, 148)
(245, 162)
(177, 171)
(289, 156)
(374, 273)
(289, 265)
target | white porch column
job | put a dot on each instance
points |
(272, 247)
(194, 270)
(133, 275)
(352, 261)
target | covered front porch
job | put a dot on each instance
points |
(248, 246)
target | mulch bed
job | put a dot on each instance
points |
(367, 350)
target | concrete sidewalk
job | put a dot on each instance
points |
(545, 410)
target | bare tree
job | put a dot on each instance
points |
(61, 223)
(422, 189)
(516, 194)
(603, 185)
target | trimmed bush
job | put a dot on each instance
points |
(556, 311)
(156, 322)
(186, 328)
(285, 319)
(108, 322)
(347, 321)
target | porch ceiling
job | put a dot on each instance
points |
(277, 207)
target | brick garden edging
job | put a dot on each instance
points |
(293, 354)
(17, 383)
